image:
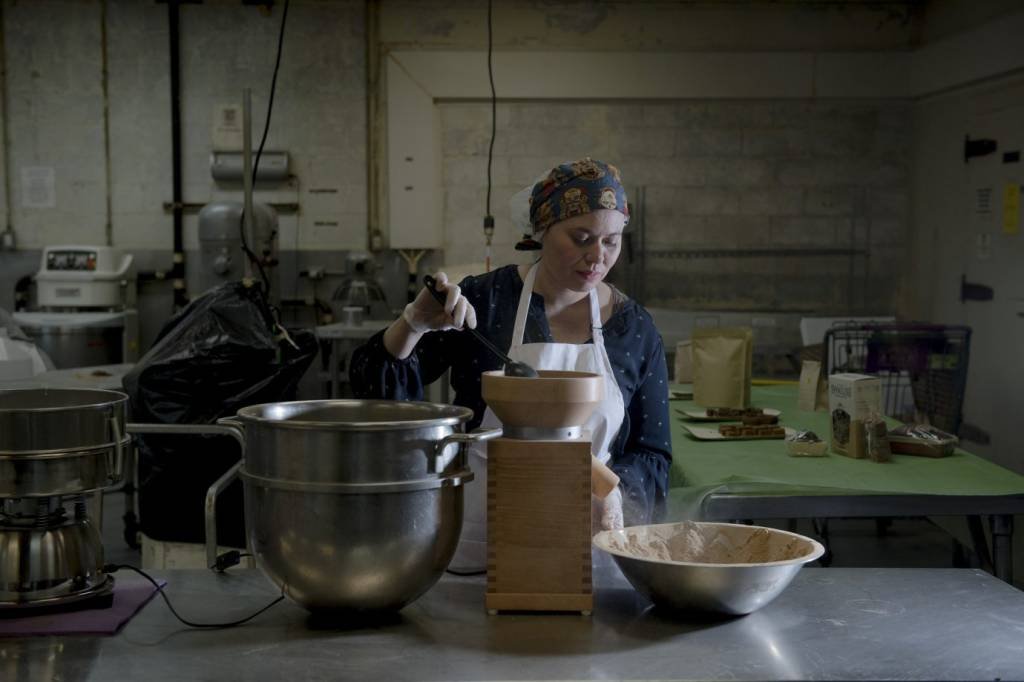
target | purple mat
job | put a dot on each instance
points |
(130, 595)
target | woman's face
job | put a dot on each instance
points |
(580, 251)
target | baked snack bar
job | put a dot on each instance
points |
(923, 440)
(763, 431)
(734, 412)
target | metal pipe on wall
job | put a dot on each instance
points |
(374, 239)
(178, 267)
(7, 241)
(247, 210)
(108, 230)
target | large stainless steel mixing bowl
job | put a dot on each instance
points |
(729, 588)
(353, 504)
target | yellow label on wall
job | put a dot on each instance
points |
(1011, 208)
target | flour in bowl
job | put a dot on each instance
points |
(708, 544)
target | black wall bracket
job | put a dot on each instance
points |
(980, 147)
(974, 292)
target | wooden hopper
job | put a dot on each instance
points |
(555, 399)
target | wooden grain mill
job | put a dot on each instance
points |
(539, 485)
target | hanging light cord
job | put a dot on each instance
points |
(494, 102)
(259, 152)
(488, 218)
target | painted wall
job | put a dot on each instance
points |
(629, 26)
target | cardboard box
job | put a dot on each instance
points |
(852, 399)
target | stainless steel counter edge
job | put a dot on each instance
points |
(835, 624)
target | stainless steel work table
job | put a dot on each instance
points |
(344, 337)
(830, 624)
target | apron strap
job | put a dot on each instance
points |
(597, 335)
(523, 311)
(524, 307)
(596, 328)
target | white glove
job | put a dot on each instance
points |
(611, 511)
(425, 314)
(608, 512)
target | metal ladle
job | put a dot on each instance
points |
(513, 368)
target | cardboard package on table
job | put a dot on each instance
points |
(722, 360)
(683, 365)
(813, 393)
(853, 399)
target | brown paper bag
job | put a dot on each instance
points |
(813, 394)
(684, 363)
(722, 363)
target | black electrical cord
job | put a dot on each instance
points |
(494, 108)
(273, 88)
(113, 568)
(259, 152)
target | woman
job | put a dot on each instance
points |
(556, 314)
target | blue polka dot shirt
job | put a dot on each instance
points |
(641, 453)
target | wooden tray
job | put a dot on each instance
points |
(705, 433)
(702, 415)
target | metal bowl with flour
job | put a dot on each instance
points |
(715, 567)
(352, 504)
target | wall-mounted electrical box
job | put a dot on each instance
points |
(227, 167)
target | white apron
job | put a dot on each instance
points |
(603, 424)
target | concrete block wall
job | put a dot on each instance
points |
(717, 175)
(55, 118)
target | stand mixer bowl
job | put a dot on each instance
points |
(353, 505)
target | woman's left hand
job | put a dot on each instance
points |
(606, 514)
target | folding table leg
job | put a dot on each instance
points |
(1002, 546)
(980, 543)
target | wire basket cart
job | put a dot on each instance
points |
(923, 367)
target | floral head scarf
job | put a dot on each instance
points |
(573, 189)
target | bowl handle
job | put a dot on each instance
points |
(115, 458)
(211, 512)
(235, 429)
(462, 439)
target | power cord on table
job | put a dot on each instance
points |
(113, 568)
(228, 559)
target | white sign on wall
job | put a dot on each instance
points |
(227, 127)
(38, 187)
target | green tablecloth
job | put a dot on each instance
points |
(762, 466)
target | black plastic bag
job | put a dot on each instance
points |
(219, 354)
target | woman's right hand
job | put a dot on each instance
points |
(426, 314)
